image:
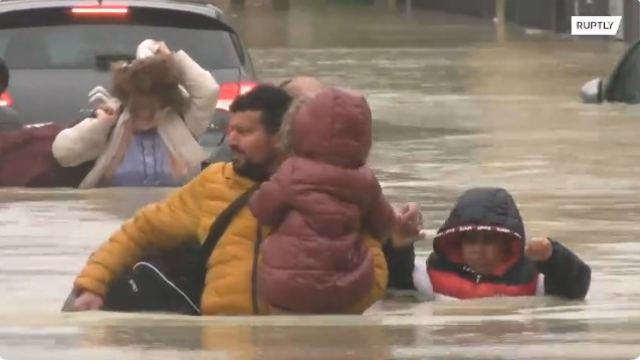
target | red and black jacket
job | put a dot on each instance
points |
(444, 273)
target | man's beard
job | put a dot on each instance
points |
(251, 170)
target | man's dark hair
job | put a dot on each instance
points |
(4, 76)
(271, 100)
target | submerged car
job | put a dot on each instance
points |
(622, 86)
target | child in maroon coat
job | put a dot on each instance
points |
(319, 202)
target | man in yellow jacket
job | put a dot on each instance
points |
(190, 211)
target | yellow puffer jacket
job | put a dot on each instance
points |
(188, 214)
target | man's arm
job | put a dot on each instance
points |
(162, 225)
(401, 262)
(380, 281)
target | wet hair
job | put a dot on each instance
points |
(157, 77)
(272, 101)
(4, 76)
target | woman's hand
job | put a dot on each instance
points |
(163, 49)
(107, 114)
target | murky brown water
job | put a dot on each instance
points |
(457, 104)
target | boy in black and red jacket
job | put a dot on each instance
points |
(480, 251)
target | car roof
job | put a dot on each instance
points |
(193, 6)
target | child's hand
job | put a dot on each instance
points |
(538, 249)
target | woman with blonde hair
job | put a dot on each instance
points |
(147, 134)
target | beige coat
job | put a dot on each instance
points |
(89, 139)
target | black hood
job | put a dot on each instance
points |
(481, 209)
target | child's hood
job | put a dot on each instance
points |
(481, 209)
(334, 127)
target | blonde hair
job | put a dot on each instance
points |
(286, 127)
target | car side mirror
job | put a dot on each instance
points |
(591, 91)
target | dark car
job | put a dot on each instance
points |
(622, 86)
(59, 50)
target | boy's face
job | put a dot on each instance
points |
(484, 251)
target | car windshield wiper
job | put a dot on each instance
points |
(104, 61)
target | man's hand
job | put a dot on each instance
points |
(538, 249)
(87, 301)
(408, 226)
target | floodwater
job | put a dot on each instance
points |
(458, 102)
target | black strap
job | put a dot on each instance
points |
(222, 222)
(254, 272)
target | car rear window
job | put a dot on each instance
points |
(77, 46)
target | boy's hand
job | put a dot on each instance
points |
(538, 249)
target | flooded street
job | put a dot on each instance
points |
(457, 103)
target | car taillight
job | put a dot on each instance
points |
(100, 10)
(6, 100)
(230, 91)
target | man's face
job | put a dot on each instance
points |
(254, 151)
(484, 251)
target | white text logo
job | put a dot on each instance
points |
(595, 25)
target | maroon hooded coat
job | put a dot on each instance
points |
(318, 202)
